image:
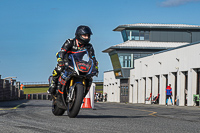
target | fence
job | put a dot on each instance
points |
(9, 91)
(35, 84)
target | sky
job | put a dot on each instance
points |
(33, 31)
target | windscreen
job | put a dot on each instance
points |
(81, 56)
(82, 61)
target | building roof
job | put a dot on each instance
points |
(145, 45)
(156, 26)
(170, 49)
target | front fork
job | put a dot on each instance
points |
(71, 89)
(72, 82)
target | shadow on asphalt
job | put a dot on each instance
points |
(42, 105)
(107, 116)
(13, 103)
(21, 104)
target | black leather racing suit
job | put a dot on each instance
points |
(72, 45)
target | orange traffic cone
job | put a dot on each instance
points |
(87, 102)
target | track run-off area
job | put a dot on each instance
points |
(34, 116)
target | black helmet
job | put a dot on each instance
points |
(81, 30)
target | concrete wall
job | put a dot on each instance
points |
(161, 68)
(9, 91)
(111, 86)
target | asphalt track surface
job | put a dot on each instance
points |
(35, 116)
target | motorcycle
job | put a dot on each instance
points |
(71, 88)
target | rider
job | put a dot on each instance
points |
(80, 42)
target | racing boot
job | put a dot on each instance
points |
(52, 88)
(53, 85)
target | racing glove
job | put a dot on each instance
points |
(96, 64)
(61, 63)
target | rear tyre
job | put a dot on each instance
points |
(55, 110)
(74, 106)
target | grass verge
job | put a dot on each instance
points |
(35, 90)
(44, 90)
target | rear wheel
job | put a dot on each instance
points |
(55, 110)
(74, 106)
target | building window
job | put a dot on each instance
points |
(135, 35)
(141, 35)
(128, 33)
(146, 35)
(125, 60)
(118, 73)
(124, 35)
(124, 90)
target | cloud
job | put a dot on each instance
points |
(170, 3)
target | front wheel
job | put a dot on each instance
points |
(74, 106)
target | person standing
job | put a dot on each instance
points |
(21, 87)
(169, 94)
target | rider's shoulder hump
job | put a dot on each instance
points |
(68, 41)
(89, 44)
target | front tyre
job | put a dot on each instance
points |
(74, 106)
(55, 110)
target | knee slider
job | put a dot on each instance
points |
(55, 73)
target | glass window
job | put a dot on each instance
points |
(124, 35)
(146, 35)
(141, 35)
(125, 60)
(122, 91)
(121, 60)
(126, 90)
(118, 73)
(128, 32)
(135, 35)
